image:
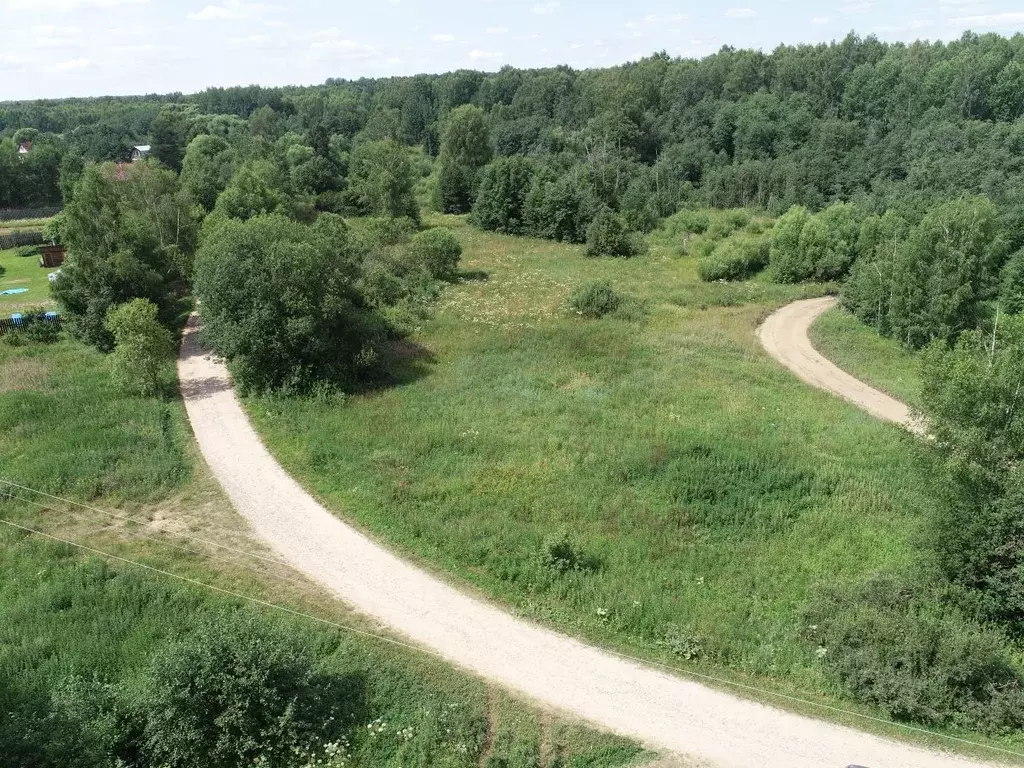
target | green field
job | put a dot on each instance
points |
(704, 490)
(82, 630)
(23, 272)
(881, 362)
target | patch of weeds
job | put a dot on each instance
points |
(562, 555)
(681, 643)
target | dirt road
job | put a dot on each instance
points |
(784, 336)
(666, 712)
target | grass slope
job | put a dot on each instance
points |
(883, 363)
(23, 272)
(704, 489)
(76, 623)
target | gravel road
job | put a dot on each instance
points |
(784, 336)
(665, 712)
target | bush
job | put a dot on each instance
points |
(437, 251)
(737, 258)
(233, 693)
(821, 247)
(689, 222)
(383, 231)
(561, 554)
(141, 346)
(895, 646)
(35, 328)
(594, 300)
(25, 251)
(608, 235)
(501, 202)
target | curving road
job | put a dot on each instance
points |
(663, 711)
(784, 337)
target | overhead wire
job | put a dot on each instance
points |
(430, 652)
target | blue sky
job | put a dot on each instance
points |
(53, 48)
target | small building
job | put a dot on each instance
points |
(25, 147)
(51, 256)
(141, 152)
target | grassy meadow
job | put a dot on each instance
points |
(78, 625)
(883, 363)
(701, 491)
(23, 272)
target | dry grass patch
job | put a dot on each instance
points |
(23, 374)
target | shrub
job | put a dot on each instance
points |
(35, 329)
(232, 693)
(896, 646)
(785, 248)
(737, 258)
(386, 231)
(608, 235)
(562, 555)
(820, 247)
(141, 346)
(689, 222)
(26, 250)
(594, 300)
(437, 251)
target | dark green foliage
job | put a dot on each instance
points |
(501, 203)
(259, 187)
(819, 247)
(933, 283)
(737, 258)
(560, 209)
(130, 233)
(35, 328)
(279, 301)
(168, 136)
(207, 168)
(608, 235)
(381, 180)
(971, 397)
(901, 647)
(1011, 290)
(437, 251)
(142, 346)
(236, 692)
(562, 555)
(594, 300)
(465, 149)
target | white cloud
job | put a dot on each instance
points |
(69, 65)
(496, 30)
(230, 10)
(1008, 19)
(820, 20)
(478, 55)
(545, 8)
(740, 13)
(442, 38)
(908, 27)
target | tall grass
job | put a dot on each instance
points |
(712, 488)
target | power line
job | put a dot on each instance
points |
(141, 521)
(436, 654)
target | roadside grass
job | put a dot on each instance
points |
(72, 618)
(703, 491)
(23, 272)
(883, 363)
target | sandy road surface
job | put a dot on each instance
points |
(663, 711)
(784, 336)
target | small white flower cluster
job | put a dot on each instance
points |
(377, 727)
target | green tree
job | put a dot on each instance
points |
(278, 301)
(381, 179)
(786, 258)
(207, 168)
(142, 346)
(465, 149)
(130, 232)
(500, 204)
(1011, 291)
(259, 187)
(169, 135)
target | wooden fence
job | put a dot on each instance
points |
(19, 214)
(10, 324)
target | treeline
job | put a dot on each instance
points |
(888, 125)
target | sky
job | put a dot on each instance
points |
(58, 48)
